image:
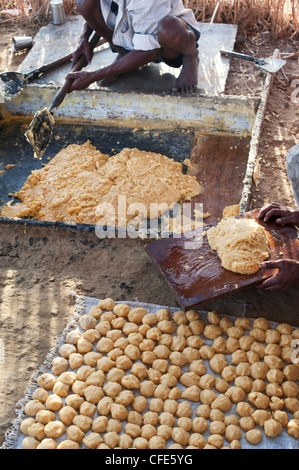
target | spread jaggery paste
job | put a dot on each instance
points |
(77, 183)
(241, 244)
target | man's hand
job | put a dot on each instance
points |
(286, 276)
(283, 215)
(81, 80)
(82, 49)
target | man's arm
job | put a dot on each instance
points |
(128, 62)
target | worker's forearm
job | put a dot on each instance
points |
(86, 32)
(130, 61)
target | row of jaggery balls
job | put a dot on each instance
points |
(124, 336)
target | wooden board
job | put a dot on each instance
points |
(196, 276)
(214, 158)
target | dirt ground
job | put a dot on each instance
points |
(39, 268)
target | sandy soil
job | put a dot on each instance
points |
(39, 268)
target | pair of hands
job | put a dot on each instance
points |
(287, 270)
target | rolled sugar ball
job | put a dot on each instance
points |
(30, 443)
(73, 336)
(45, 416)
(218, 362)
(104, 406)
(68, 378)
(106, 304)
(83, 422)
(254, 436)
(83, 373)
(212, 331)
(140, 443)
(272, 428)
(261, 322)
(235, 444)
(40, 394)
(93, 394)
(54, 429)
(95, 311)
(61, 389)
(67, 414)
(74, 400)
(197, 440)
(92, 440)
(74, 433)
(121, 310)
(184, 410)
(156, 442)
(217, 427)
(125, 442)
(76, 360)
(293, 428)
(181, 436)
(233, 432)
(87, 322)
(54, 402)
(66, 349)
(133, 430)
(88, 409)
(37, 430)
(291, 372)
(46, 381)
(164, 431)
(221, 402)
(246, 423)
(68, 444)
(33, 407)
(203, 411)
(136, 315)
(281, 417)
(259, 399)
(199, 424)
(259, 370)
(216, 440)
(25, 424)
(59, 365)
(47, 443)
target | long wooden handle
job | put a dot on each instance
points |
(68, 82)
(56, 63)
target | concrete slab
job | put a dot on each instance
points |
(53, 42)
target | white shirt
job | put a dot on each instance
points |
(135, 25)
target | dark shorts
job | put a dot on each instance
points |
(178, 61)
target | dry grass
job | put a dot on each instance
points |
(279, 17)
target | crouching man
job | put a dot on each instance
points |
(140, 32)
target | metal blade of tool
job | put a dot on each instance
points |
(40, 130)
(268, 65)
(195, 276)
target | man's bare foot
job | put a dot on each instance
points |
(188, 78)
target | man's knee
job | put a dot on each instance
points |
(172, 31)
